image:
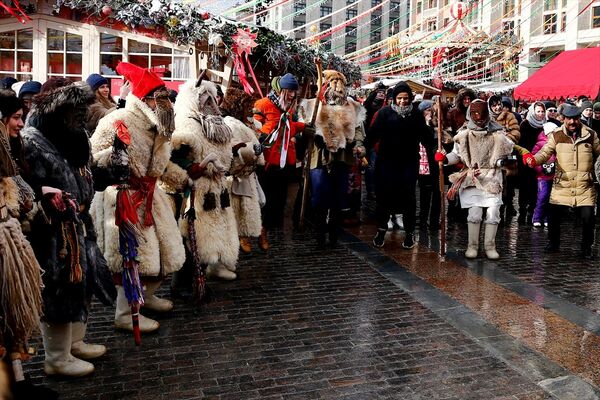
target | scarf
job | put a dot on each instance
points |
(490, 125)
(402, 111)
(534, 122)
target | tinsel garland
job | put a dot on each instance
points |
(186, 24)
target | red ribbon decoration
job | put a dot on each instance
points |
(243, 43)
(16, 11)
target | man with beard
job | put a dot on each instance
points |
(398, 129)
(338, 142)
(482, 146)
(57, 152)
(576, 148)
(133, 144)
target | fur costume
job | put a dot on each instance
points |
(56, 149)
(244, 190)
(198, 133)
(161, 249)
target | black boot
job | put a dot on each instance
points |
(379, 239)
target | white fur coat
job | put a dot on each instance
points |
(216, 229)
(161, 247)
(245, 207)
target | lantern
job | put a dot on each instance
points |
(458, 10)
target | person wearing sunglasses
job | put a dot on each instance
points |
(552, 113)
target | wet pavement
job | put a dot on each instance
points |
(355, 322)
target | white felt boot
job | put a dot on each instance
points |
(123, 315)
(473, 237)
(154, 303)
(221, 272)
(57, 345)
(80, 349)
(490, 241)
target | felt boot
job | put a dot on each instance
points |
(151, 302)
(83, 350)
(473, 245)
(490, 241)
(123, 315)
(221, 272)
(57, 345)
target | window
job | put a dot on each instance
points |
(509, 8)
(375, 36)
(550, 5)
(596, 17)
(549, 24)
(324, 26)
(431, 25)
(375, 3)
(298, 24)
(16, 54)
(351, 31)
(508, 27)
(166, 62)
(350, 47)
(563, 21)
(351, 13)
(299, 7)
(325, 11)
(111, 52)
(350, 2)
(64, 54)
(431, 3)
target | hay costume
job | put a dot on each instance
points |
(56, 148)
(339, 137)
(132, 145)
(482, 146)
(200, 136)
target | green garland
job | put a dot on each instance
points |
(185, 24)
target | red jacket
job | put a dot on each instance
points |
(268, 114)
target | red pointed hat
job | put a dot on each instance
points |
(143, 81)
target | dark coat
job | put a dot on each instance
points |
(529, 136)
(397, 164)
(64, 301)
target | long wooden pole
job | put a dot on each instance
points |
(309, 149)
(442, 189)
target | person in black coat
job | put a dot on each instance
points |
(429, 178)
(396, 132)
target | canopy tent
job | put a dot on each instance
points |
(571, 73)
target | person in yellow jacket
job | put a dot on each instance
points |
(576, 148)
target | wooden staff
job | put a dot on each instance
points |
(442, 190)
(309, 147)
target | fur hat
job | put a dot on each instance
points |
(96, 80)
(32, 87)
(402, 87)
(289, 82)
(143, 81)
(331, 75)
(73, 95)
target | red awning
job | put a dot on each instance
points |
(571, 73)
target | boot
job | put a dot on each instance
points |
(221, 272)
(379, 239)
(123, 315)
(473, 246)
(57, 344)
(151, 302)
(80, 349)
(245, 245)
(490, 241)
(263, 240)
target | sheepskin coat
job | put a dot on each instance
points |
(480, 151)
(64, 301)
(244, 188)
(215, 224)
(574, 177)
(161, 248)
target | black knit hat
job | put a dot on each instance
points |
(402, 87)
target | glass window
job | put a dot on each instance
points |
(550, 5)
(64, 53)
(160, 50)
(7, 60)
(110, 43)
(325, 11)
(509, 8)
(351, 31)
(351, 13)
(16, 61)
(549, 24)
(7, 40)
(299, 7)
(596, 17)
(25, 39)
(137, 47)
(108, 63)
(139, 60)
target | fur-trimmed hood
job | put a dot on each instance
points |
(462, 93)
(60, 99)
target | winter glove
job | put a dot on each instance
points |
(319, 142)
(309, 131)
(529, 160)
(439, 156)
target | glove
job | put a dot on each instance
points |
(319, 142)
(529, 160)
(439, 156)
(124, 90)
(309, 131)
(196, 170)
(54, 198)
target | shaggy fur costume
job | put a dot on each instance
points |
(481, 150)
(198, 135)
(245, 206)
(161, 249)
(48, 132)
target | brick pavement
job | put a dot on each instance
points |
(297, 324)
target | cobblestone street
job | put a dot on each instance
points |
(354, 322)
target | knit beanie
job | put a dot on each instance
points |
(95, 81)
(425, 105)
(506, 102)
(289, 82)
(596, 107)
(32, 87)
(586, 104)
(402, 87)
(8, 82)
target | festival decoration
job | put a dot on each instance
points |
(16, 11)
(458, 10)
(243, 43)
